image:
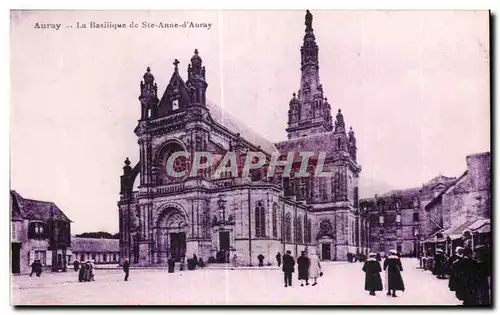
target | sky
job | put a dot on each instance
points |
(413, 85)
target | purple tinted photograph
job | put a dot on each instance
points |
(298, 157)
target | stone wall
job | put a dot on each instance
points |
(470, 198)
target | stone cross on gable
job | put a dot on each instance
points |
(176, 63)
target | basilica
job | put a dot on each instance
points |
(218, 217)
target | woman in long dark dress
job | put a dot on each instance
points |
(303, 266)
(81, 273)
(394, 267)
(87, 276)
(171, 264)
(372, 270)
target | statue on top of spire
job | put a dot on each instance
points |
(309, 20)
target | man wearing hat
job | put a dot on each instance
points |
(394, 267)
(372, 270)
(288, 268)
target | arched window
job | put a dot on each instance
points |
(288, 227)
(299, 234)
(275, 220)
(260, 220)
(338, 143)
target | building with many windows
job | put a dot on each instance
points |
(397, 219)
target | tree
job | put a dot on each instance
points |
(99, 234)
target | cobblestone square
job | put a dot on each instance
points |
(342, 284)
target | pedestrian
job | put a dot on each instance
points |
(394, 267)
(38, 268)
(482, 274)
(288, 268)
(92, 270)
(439, 264)
(171, 264)
(183, 262)
(303, 268)
(76, 265)
(454, 277)
(88, 273)
(34, 267)
(372, 270)
(201, 263)
(234, 261)
(278, 259)
(314, 267)
(126, 268)
(195, 261)
(261, 260)
(466, 285)
(378, 257)
(81, 273)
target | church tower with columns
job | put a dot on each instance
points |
(309, 111)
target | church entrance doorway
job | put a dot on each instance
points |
(326, 250)
(223, 255)
(178, 245)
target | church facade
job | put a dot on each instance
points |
(217, 216)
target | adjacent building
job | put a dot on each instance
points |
(39, 230)
(100, 250)
(222, 216)
(436, 214)
(463, 209)
(398, 219)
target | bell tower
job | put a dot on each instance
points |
(309, 113)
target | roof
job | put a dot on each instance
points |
(231, 123)
(316, 142)
(455, 232)
(35, 209)
(444, 191)
(83, 244)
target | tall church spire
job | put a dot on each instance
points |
(314, 114)
(309, 50)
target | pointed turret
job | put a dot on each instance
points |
(294, 110)
(148, 98)
(339, 122)
(327, 112)
(196, 80)
(352, 144)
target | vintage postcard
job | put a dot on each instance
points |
(300, 157)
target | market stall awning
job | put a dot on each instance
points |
(480, 226)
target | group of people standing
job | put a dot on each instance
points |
(309, 267)
(86, 270)
(470, 275)
(192, 263)
(392, 266)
